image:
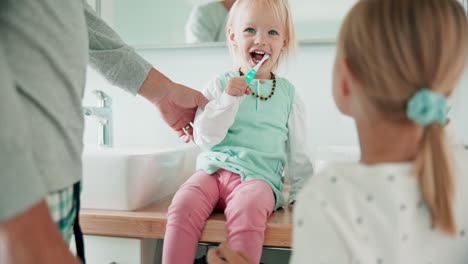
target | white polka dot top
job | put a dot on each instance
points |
(352, 213)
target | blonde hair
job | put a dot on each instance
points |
(281, 12)
(394, 48)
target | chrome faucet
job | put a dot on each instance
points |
(103, 113)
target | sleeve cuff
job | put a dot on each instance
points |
(132, 76)
(226, 99)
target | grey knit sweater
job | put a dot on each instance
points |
(45, 46)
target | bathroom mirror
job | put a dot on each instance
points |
(162, 23)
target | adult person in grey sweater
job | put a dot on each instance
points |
(44, 49)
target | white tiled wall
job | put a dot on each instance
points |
(137, 123)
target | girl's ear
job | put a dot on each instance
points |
(341, 86)
(285, 44)
(344, 85)
(232, 36)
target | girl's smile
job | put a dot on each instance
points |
(257, 56)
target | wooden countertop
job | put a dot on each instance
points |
(150, 222)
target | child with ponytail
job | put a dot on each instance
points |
(397, 62)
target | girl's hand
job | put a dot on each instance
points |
(238, 86)
(230, 256)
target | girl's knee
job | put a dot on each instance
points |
(252, 203)
(186, 199)
(258, 193)
(180, 207)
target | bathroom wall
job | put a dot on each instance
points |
(137, 123)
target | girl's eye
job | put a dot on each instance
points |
(250, 30)
(273, 32)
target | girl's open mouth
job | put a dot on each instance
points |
(257, 56)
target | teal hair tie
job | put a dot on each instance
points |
(427, 107)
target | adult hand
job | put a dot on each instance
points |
(230, 256)
(176, 103)
(32, 237)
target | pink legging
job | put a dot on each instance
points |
(247, 206)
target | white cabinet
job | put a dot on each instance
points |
(116, 250)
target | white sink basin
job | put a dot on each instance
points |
(129, 179)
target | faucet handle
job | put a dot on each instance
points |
(104, 99)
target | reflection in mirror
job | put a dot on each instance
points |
(207, 22)
(167, 23)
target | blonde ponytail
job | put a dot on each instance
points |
(396, 48)
(433, 167)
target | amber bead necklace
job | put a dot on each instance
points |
(264, 98)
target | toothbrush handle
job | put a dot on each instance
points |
(250, 75)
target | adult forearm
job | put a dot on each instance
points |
(156, 86)
(32, 237)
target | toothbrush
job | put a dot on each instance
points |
(251, 74)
